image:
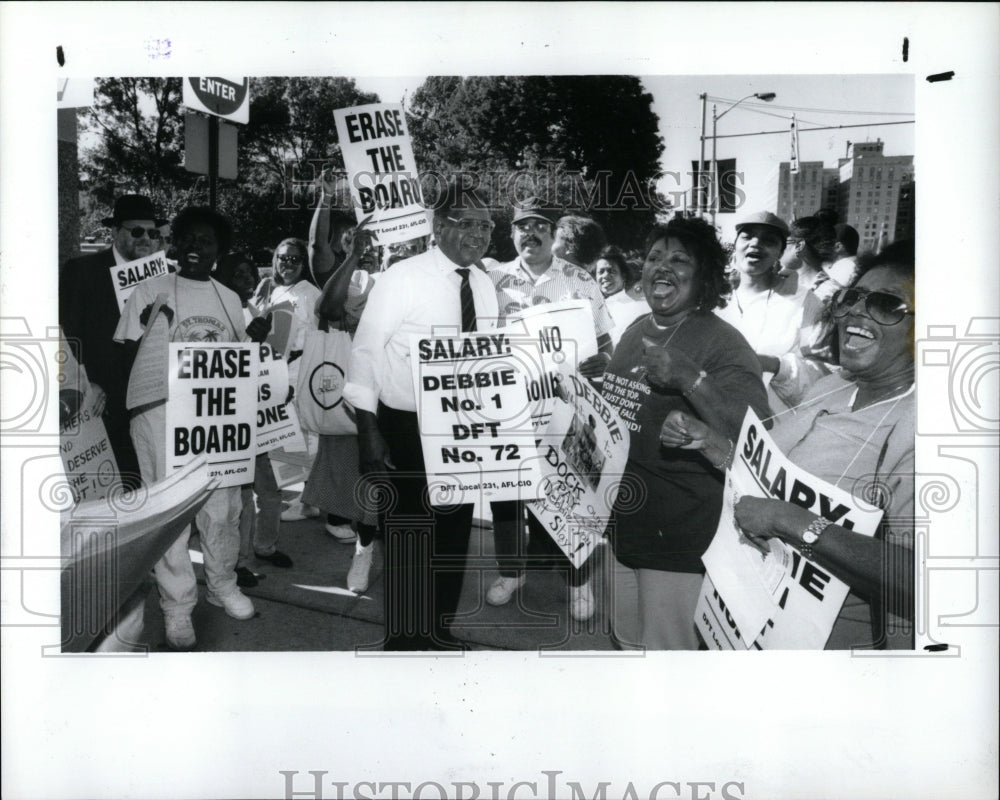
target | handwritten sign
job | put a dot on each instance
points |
(584, 451)
(563, 335)
(127, 276)
(778, 600)
(475, 423)
(86, 454)
(212, 408)
(378, 155)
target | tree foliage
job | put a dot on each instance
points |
(136, 135)
(589, 144)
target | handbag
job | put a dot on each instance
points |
(319, 391)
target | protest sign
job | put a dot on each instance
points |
(563, 336)
(777, 600)
(475, 422)
(277, 422)
(86, 453)
(584, 450)
(126, 277)
(212, 408)
(378, 155)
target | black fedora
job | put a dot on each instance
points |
(133, 206)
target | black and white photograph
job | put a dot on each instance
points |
(253, 546)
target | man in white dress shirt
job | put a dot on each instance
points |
(425, 547)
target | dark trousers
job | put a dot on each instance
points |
(426, 547)
(116, 423)
(520, 543)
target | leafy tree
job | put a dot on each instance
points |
(135, 132)
(587, 143)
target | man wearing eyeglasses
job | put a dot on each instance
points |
(88, 314)
(537, 277)
(426, 547)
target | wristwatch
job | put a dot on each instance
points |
(811, 534)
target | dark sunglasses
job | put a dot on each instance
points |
(882, 307)
(283, 259)
(137, 232)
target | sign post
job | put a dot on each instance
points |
(228, 98)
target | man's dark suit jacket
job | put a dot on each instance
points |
(88, 314)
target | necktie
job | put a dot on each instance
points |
(468, 304)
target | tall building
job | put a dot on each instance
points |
(876, 194)
(813, 187)
(872, 192)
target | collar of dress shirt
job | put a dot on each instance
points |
(119, 258)
(445, 264)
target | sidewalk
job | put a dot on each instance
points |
(308, 607)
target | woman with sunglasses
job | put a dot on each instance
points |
(289, 290)
(854, 429)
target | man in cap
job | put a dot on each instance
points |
(538, 277)
(88, 314)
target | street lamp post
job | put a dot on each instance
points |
(767, 97)
(699, 200)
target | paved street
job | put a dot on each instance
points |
(308, 606)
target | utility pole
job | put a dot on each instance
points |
(701, 158)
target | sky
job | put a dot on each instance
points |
(858, 99)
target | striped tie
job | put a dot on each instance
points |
(468, 304)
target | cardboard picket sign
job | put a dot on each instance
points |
(779, 600)
(125, 277)
(85, 451)
(583, 454)
(378, 155)
(212, 408)
(475, 424)
(277, 422)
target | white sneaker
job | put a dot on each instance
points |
(361, 567)
(342, 533)
(180, 631)
(503, 589)
(581, 602)
(236, 604)
(298, 511)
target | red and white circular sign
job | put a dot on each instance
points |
(228, 98)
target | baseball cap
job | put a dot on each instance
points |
(764, 218)
(533, 208)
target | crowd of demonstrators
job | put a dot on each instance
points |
(854, 429)
(538, 277)
(681, 356)
(812, 337)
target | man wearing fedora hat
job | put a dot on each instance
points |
(538, 277)
(88, 314)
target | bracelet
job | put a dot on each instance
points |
(701, 376)
(722, 464)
